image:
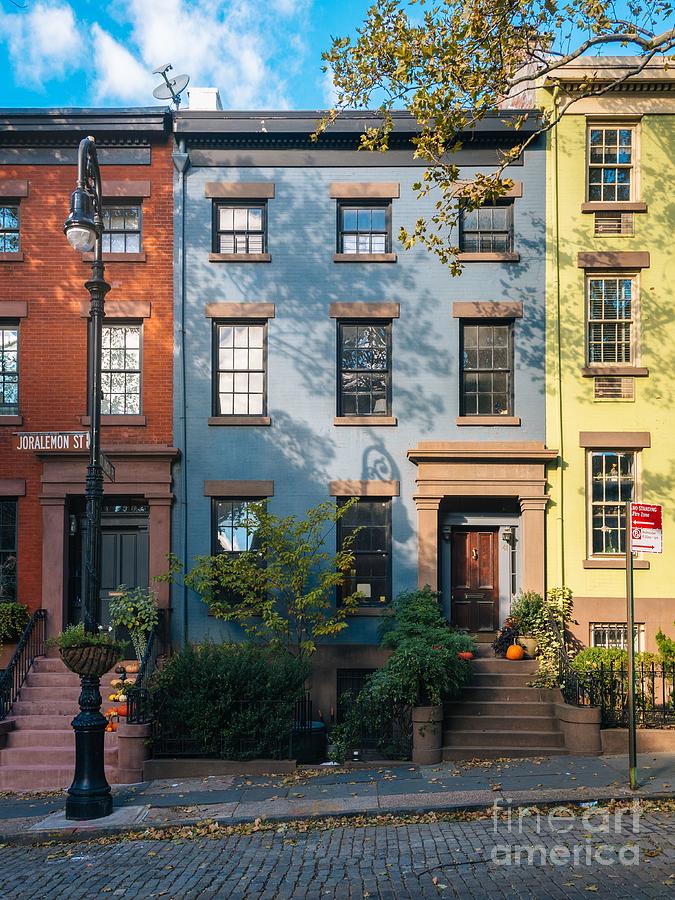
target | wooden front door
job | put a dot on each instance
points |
(475, 579)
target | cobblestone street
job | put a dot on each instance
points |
(448, 859)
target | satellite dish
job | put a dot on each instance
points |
(172, 87)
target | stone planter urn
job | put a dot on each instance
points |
(427, 722)
(90, 661)
(529, 644)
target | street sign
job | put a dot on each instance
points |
(646, 528)
(52, 440)
(107, 466)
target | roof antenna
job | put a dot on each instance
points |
(172, 87)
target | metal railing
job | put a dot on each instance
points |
(606, 686)
(139, 710)
(31, 645)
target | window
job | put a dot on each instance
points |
(365, 369)
(9, 228)
(9, 370)
(121, 370)
(371, 575)
(610, 163)
(240, 369)
(364, 228)
(232, 521)
(8, 549)
(486, 369)
(612, 474)
(614, 635)
(488, 229)
(122, 229)
(610, 319)
(240, 228)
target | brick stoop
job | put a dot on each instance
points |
(39, 751)
(499, 715)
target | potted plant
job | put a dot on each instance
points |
(87, 654)
(527, 611)
(136, 610)
(506, 636)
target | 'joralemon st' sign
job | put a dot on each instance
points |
(52, 440)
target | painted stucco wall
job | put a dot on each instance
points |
(600, 594)
(302, 450)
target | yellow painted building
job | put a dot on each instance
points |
(611, 341)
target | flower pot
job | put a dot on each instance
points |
(427, 724)
(90, 660)
(529, 644)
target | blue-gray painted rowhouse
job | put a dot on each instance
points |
(294, 244)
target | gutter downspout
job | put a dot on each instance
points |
(181, 161)
(558, 354)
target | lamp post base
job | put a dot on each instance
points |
(89, 796)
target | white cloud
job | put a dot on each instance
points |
(44, 42)
(119, 75)
(330, 92)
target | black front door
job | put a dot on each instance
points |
(124, 554)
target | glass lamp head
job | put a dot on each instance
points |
(80, 227)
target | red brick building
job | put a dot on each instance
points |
(43, 355)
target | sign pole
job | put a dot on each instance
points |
(630, 643)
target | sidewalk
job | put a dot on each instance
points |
(324, 792)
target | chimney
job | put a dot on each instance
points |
(204, 98)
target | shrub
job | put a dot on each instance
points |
(235, 701)
(527, 612)
(423, 669)
(13, 619)
(135, 610)
(592, 658)
(75, 636)
(666, 647)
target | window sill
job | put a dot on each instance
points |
(240, 257)
(239, 420)
(11, 257)
(364, 257)
(593, 206)
(628, 371)
(487, 420)
(115, 420)
(117, 257)
(11, 420)
(369, 611)
(365, 420)
(608, 563)
(488, 257)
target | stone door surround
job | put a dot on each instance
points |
(142, 471)
(482, 469)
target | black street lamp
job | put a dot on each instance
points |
(89, 796)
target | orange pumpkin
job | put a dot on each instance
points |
(515, 651)
(465, 654)
(122, 710)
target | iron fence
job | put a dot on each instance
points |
(31, 645)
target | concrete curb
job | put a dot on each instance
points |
(36, 838)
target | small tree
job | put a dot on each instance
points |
(281, 589)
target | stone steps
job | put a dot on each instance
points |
(48, 756)
(35, 778)
(499, 715)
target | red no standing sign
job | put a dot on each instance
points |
(646, 527)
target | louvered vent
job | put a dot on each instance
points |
(608, 223)
(614, 387)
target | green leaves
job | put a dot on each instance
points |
(135, 610)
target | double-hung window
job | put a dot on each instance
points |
(9, 228)
(371, 575)
(233, 525)
(9, 369)
(487, 229)
(240, 388)
(8, 549)
(487, 368)
(364, 228)
(122, 228)
(612, 484)
(610, 319)
(364, 354)
(121, 370)
(240, 228)
(611, 174)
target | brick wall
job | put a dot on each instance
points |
(53, 336)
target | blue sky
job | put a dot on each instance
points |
(259, 53)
